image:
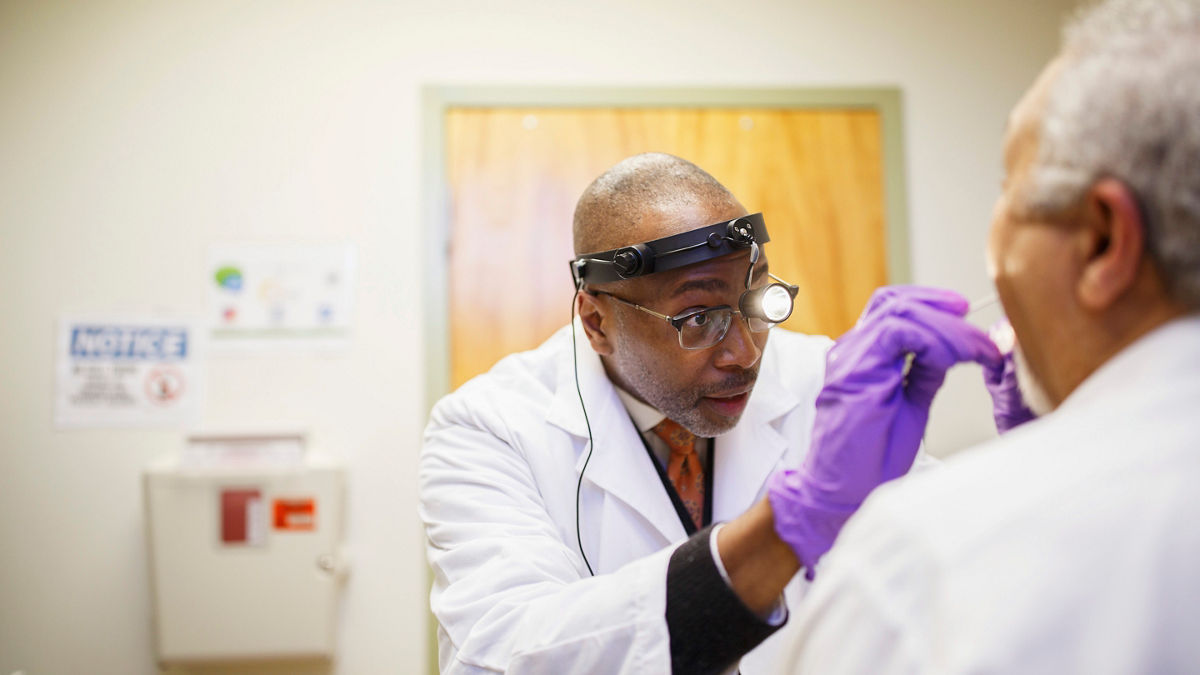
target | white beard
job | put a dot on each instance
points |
(1032, 391)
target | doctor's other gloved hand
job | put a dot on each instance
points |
(872, 411)
(1008, 406)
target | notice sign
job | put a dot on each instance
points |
(126, 373)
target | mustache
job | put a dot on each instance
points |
(733, 382)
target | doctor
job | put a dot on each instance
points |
(569, 495)
(1072, 543)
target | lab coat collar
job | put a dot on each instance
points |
(619, 464)
(747, 454)
(565, 411)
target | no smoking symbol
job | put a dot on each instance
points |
(164, 385)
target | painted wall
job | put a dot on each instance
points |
(133, 135)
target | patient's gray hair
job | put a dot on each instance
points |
(611, 206)
(1126, 104)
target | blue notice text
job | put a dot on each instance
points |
(139, 343)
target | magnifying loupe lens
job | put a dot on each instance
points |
(776, 303)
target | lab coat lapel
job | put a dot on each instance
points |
(619, 465)
(752, 450)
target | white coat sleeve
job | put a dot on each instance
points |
(508, 592)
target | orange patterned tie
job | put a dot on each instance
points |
(683, 467)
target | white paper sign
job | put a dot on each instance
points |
(126, 372)
(263, 297)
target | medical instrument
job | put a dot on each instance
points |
(983, 303)
(1009, 408)
(1001, 332)
(761, 307)
(702, 328)
(668, 253)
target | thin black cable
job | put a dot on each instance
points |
(591, 443)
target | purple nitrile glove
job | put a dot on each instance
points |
(1008, 406)
(871, 414)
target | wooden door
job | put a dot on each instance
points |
(514, 174)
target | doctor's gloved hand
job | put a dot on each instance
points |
(1008, 406)
(872, 411)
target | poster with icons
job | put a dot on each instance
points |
(263, 297)
(127, 371)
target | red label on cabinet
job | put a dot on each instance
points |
(295, 514)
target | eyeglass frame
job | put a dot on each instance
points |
(677, 321)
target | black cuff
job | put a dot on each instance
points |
(709, 626)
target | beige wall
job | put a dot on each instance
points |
(135, 134)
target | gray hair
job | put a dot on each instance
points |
(1126, 104)
(612, 205)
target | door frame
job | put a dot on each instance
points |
(437, 99)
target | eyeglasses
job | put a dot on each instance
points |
(707, 326)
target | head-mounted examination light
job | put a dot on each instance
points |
(771, 304)
(668, 253)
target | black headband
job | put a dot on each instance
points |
(668, 253)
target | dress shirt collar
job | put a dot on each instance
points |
(645, 417)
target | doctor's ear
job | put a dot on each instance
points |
(596, 321)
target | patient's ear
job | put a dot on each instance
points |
(595, 319)
(1113, 238)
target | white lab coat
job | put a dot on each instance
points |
(1069, 545)
(498, 475)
